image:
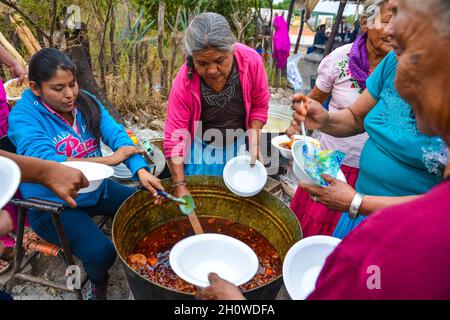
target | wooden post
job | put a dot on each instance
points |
(162, 56)
(334, 32)
(300, 32)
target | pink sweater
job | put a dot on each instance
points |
(184, 106)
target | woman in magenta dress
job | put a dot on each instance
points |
(9, 212)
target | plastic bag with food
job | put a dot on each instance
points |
(317, 162)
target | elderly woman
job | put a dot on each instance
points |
(343, 74)
(398, 163)
(219, 93)
(411, 259)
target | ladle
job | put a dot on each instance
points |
(186, 205)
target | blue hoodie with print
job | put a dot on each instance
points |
(38, 133)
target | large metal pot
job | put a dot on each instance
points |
(138, 216)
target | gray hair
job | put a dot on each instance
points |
(208, 30)
(440, 10)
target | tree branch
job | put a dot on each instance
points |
(52, 28)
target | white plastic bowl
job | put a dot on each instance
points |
(193, 258)
(242, 179)
(94, 172)
(300, 173)
(303, 263)
(6, 84)
(122, 172)
(276, 141)
(9, 181)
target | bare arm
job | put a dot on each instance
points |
(254, 138)
(62, 180)
(338, 196)
(116, 158)
(318, 95)
(350, 121)
(345, 123)
(371, 204)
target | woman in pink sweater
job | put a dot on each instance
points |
(219, 97)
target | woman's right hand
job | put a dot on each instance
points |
(181, 191)
(122, 154)
(310, 111)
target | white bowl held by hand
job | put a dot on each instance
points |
(193, 258)
(242, 179)
(303, 263)
(299, 172)
(11, 86)
(285, 152)
(95, 173)
(9, 180)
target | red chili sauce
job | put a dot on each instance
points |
(150, 257)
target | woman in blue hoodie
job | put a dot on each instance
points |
(56, 121)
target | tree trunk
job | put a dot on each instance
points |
(300, 32)
(291, 11)
(150, 67)
(113, 48)
(78, 52)
(138, 69)
(130, 69)
(101, 55)
(334, 32)
(175, 39)
(162, 57)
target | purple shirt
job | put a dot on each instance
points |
(402, 252)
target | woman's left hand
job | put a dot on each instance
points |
(254, 136)
(151, 183)
(336, 196)
(255, 154)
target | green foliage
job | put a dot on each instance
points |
(189, 8)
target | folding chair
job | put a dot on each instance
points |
(41, 246)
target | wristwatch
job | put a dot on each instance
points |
(354, 206)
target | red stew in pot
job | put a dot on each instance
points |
(150, 258)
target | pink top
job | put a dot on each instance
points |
(401, 252)
(334, 77)
(281, 41)
(4, 111)
(184, 106)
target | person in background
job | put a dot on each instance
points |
(10, 213)
(342, 76)
(56, 121)
(320, 38)
(401, 252)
